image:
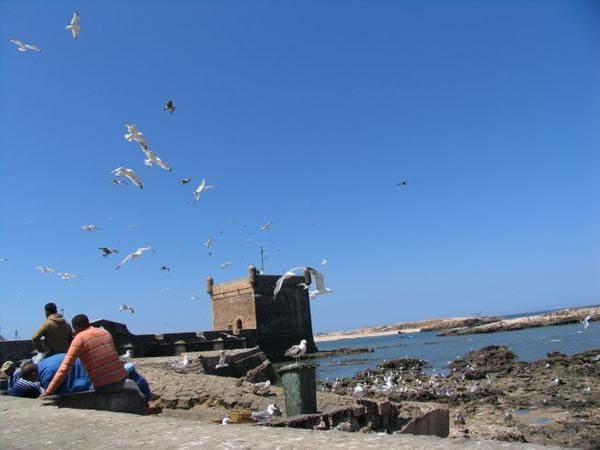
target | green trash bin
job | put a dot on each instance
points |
(300, 389)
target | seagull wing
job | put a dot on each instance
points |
(127, 258)
(32, 47)
(319, 279)
(294, 350)
(19, 43)
(134, 178)
(75, 19)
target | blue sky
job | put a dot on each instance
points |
(305, 114)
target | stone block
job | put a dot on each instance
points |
(127, 400)
(434, 423)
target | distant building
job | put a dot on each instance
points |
(248, 304)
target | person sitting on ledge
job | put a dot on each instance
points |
(78, 379)
(141, 382)
(13, 373)
(56, 332)
(28, 385)
(96, 349)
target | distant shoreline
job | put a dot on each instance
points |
(469, 325)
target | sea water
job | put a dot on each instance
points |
(529, 344)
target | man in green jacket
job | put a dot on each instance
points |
(55, 330)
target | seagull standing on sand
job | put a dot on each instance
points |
(107, 251)
(203, 187)
(267, 414)
(139, 252)
(23, 47)
(181, 364)
(129, 173)
(125, 356)
(359, 391)
(296, 351)
(134, 135)
(126, 308)
(169, 106)
(262, 385)
(74, 25)
(225, 421)
(90, 227)
(222, 360)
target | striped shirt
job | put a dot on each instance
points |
(25, 388)
(96, 350)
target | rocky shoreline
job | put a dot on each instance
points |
(470, 325)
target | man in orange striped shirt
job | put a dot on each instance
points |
(96, 350)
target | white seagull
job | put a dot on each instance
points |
(74, 25)
(266, 226)
(90, 227)
(139, 252)
(324, 262)
(226, 264)
(208, 244)
(125, 356)
(152, 158)
(359, 391)
(296, 351)
(129, 173)
(126, 308)
(43, 269)
(200, 189)
(222, 360)
(586, 322)
(134, 135)
(67, 275)
(262, 385)
(320, 283)
(267, 414)
(181, 364)
(23, 47)
(289, 274)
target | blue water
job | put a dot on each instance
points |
(529, 344)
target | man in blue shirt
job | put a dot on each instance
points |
(28, 385)
(78, 379)
(141, 382)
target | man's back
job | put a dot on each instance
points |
(96, 350)
(57, 332)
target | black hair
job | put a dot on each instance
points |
(50, 308)
(80, 320)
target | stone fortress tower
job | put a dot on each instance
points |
(248, 303)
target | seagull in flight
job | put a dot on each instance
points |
(43, 269)
(324, 262)
(289, 274)
(402, 183)
(107, 251)
(266, 226)
(320, 283)
(126, 308)
(129, 173)
(226, 264)
(208, 244)
(296, 351)
(139, 252)
(119, 182)
(134, 135)
(67, 275)
(74, 25)
(91, 227)
(586, 322)
(152, 158)
(200, 189)
(169, 106)
(184, 181)
(23, 47)
(3, 259)
(165, 268)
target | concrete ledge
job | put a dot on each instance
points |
(128, 400)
